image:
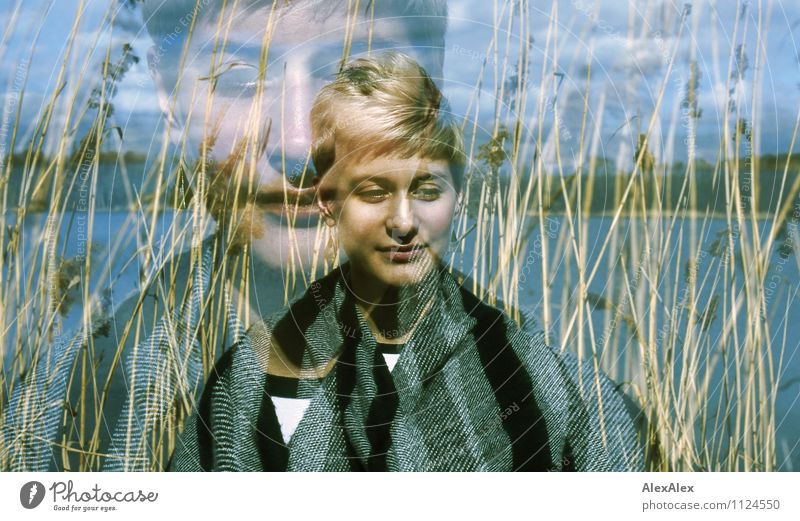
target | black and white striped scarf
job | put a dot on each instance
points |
(470, 391)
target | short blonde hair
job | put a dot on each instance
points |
(385, 105)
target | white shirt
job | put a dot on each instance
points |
(391, 360)
(291, 410)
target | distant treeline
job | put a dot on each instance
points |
(106, 157)
(121, 177)
(664, 191)
(600, 193)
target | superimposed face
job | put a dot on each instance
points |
(393, 216)
(227, 115)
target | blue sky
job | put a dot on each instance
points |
(630, 43)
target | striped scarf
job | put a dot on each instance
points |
(470, 391)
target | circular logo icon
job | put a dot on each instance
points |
(31, 494)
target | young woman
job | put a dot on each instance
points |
(396, 366)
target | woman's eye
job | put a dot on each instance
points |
(428, 193)
(373, 195)
(234, 88)
(238, 81)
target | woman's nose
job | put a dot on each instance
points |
(290, 130)
(401, 223)
(298, 97)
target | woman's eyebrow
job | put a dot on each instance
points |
(359, 179)
(427, 175)
(389, 177)
(250, 52)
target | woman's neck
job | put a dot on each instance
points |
(391, 312)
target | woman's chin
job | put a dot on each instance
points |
(403, 273)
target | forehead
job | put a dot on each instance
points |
(392, 168)
(299, 27)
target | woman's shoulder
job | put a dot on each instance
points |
(493, 321)
(237, 364)
(599, 408)
(542, 360)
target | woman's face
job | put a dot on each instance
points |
(392, 216)
(304, 54)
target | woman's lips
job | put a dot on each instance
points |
(403, 253)
(293, 204)
(288, 196)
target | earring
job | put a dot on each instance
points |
(332, 248)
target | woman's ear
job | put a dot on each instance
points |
(154, 58)
(325, 204)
